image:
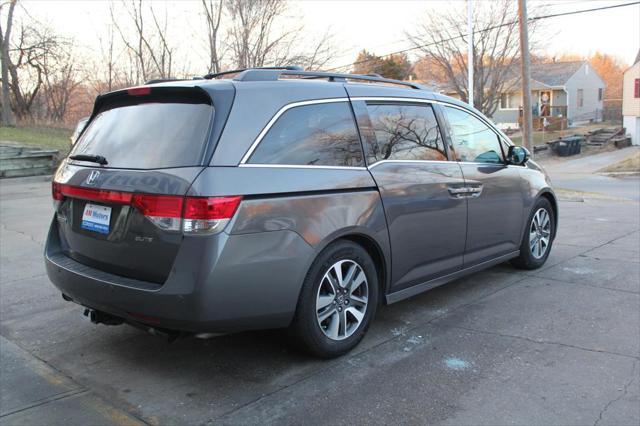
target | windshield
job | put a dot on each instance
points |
(148, 135)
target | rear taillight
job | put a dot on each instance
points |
(165, 211)
(208, 215)
(194, 215)
(56, 191)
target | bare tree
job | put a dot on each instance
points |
(5, 38)
(30, 57)
(251, 35)
(147, 44)
(213, 10)
(60, 81)
(259, 36)
(442, 39)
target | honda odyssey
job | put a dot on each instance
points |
(274, 198)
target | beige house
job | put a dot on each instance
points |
(631, 101)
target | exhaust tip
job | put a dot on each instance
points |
(98, 317)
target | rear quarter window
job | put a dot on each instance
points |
(161, 130)
(312, 135)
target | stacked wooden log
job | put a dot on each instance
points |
(18, 160)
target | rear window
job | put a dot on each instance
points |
(158, 130)
(312, 135)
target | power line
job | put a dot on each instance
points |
(532, 19)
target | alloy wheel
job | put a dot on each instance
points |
(540, 233)
(342, 298)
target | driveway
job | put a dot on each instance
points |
(560, 345)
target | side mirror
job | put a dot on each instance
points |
(518, 155)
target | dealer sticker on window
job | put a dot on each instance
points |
(96, 218)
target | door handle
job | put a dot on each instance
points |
(458, 190)
(475, 191)
(465, 191)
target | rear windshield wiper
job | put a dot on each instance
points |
(91, 158)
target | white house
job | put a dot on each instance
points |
(631, 101)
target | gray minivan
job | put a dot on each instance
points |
(286, 198)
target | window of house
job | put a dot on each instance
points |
(600, 93)
(636, 88)
(316, 135)
(405, 132)
(505, 101)
(580, 98)
(473, 140)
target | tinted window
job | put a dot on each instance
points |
(405, 132)
(317, 135)
(472, 139)
(149, 135)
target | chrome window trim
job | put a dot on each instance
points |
(371, 166)
(441, 162)
(301, 166)
(275, 118)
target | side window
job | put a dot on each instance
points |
(314, 135)
(472, 139)
(580, 98)
(405, 132)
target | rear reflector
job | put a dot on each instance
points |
(198, 214)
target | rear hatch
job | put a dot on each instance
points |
(126, 216)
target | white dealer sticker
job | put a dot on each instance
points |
(96, 218)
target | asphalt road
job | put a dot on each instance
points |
(580, 174)
(560, 345)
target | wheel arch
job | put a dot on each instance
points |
(373, 247)
(550, 196)
(379, 261)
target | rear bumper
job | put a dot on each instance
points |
(222, 283)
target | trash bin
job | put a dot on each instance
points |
(562, 148)
(570, 145)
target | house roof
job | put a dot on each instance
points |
(543, 76)
(554, 73)
(637, 58)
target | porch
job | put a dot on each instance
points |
(548, 107)
(552, 117)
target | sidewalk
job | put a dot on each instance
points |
(32, 393)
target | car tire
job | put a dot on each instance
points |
(533, 251)
(331, 317)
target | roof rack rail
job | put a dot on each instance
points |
(220, 74)
(273, 74)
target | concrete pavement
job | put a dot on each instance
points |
(560, 345)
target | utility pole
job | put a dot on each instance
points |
(527, 127)
(470, 50)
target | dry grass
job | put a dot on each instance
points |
(630, 164)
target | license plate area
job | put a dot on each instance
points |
(96, 218)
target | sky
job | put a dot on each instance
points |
(378, 26)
